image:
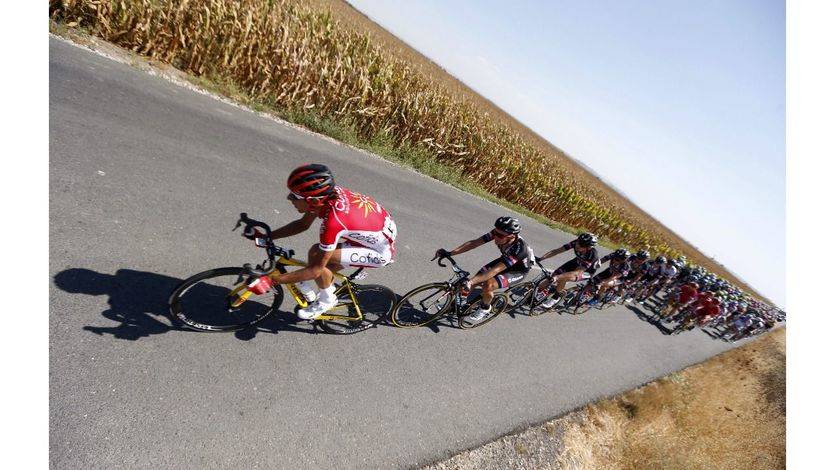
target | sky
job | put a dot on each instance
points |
(680, 105)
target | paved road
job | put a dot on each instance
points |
(146, 179)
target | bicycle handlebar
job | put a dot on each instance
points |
(243, 218)
(272, 250)
(543, 268)
(455, 266)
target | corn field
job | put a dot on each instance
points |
(291, 57)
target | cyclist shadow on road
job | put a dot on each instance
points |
(139, 303)
(649, 318)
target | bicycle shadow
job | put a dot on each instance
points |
(649, 318)
(138, 302)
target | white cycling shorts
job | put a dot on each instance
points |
(360, 256)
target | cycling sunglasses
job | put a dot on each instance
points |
(499, 234)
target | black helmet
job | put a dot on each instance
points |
(621, 253)
(643, 254)
(508, 225)
(311, 180)
(661, 260)
(587, 239)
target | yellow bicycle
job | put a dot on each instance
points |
(219, 299)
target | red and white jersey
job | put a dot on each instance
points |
(356, 219)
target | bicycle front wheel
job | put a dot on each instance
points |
(580, 303)
(540, 295)
(422, 305)
(204, 301)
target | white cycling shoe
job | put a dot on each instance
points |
(317, 308)
(550, 302)
(480, 313)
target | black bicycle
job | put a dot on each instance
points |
(429, 302)
(531, 294)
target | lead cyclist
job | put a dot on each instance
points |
(356, 231)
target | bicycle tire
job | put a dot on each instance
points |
(536, 308)
(499, 304)
(578, 303)
(403, 318)
(370, 316)
(189, 316)
(519, 295)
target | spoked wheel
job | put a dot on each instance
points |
(608, 301)
(208, 301)
(580, 304)
(519, 296)
(574, 301)
(374, 302)
(422, 305)
(540, 295)
(498, 306)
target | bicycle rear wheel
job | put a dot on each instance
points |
(203, 302)
(374, 302)
(422, 305)
(519, 296)
(498, 306)
(540, 295)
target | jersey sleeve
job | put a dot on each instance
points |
(487, 237)
(330, 232)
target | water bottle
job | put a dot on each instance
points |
(308, 290)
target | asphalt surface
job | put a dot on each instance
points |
(146, 181)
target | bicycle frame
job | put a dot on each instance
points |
(285, 259)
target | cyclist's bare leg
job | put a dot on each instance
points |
(564, 278)
(325, 279)
(605, 286)
(487, 288)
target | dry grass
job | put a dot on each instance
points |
(726, 413)
(296, 58)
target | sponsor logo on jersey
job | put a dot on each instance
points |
(366, 259)
(368, 238)
(365, 203)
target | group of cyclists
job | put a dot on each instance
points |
(356, 231)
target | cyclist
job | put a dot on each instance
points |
(513, 264)
(610, 277)
(356, 231)
(652, 278)
(582, 266)
(687, 293)
(638, 267)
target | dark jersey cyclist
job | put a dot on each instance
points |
(582, 266)
(513, 264)
(618, 269)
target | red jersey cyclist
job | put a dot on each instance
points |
(511, 267)
(356, 231)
